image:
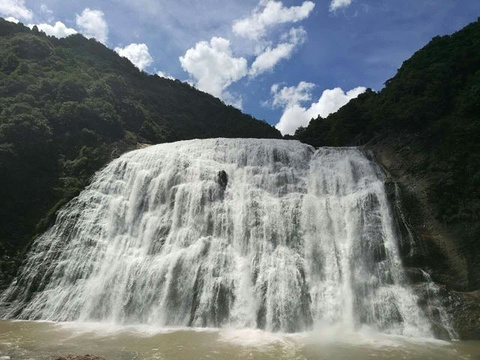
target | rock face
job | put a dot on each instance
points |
(464, 308)
(430, 250)
(435, 246)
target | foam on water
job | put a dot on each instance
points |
(238, 233)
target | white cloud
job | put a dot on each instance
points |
(213, 67)
(58, 30)
(270, 57)
(333, 99)
(269, 13)
(233, 99)
(185, 22)
(138, 54)
(15, 8)
(92, 24)
(47, 12)
(292, 118)
(289, 96)
(339, 4)
(165, 75)
(12, 19)
(295, 115)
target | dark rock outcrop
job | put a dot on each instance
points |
(464, 308)
(426, 243)
(222, 179)
(430, 250)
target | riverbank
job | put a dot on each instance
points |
(24, 340)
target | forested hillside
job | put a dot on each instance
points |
(424, 126)
(68, 106)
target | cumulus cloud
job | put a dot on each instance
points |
(213, 67)
(233, 99)
(12, 19)
(289, 96)
(15, 8)
(270, 57)
(165, 75)
(138, 54)
(296, 115)
(58, 30)
(333, 99)
(339, 4)
(269, 13)
(92, 24)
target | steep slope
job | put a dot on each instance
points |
(424, 127)
(68, 106)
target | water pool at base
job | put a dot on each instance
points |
(47, 340)
(205, 242)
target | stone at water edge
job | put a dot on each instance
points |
(80, 357)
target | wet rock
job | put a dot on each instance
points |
(390, 188)
(443, 249)
(415, 275)
(439, 331)
(464, 308)
(379, 253)
(222, 179)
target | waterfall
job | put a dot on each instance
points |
(267, 234)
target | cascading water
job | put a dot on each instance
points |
(225, 232)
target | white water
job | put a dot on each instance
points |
(28, 340)
(297, 239)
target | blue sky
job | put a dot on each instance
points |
(278, 60)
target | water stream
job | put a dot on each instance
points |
(225, 233)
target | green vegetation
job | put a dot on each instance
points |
(68, 106)
(430, 108)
